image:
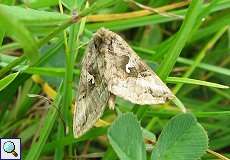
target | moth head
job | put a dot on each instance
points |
(103, 32)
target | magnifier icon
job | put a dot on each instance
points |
(9, 147)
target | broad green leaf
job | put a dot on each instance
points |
(40, 3)
(183, 138)
(126, 138)
(17, 31)
(33, 17)
(7, 80)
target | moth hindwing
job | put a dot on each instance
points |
(110, 67)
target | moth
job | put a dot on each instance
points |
(111, 68)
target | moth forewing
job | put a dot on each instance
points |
(127, 75)
(92, 93)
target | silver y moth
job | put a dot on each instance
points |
(111, 68)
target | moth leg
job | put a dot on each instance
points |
(111, 101)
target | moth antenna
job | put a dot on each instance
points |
(52, 104)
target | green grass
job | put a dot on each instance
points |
(190, 54)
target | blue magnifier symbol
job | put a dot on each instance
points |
(9, 147)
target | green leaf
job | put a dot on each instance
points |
(27, 133)
(2, 34)
(98, 5)
(179, 104)
(194, 81)
(18, 32)
(183, 138)
(180, 39)
(34, 17)
(201, 55)
(8, 2)
(7, 80)
(126, 138)
(148, 135)
(110, 154)
(148, 20)
(68, 140)
(71, 4)
(40, 3)
(205, 66)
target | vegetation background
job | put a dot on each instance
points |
(185, 42)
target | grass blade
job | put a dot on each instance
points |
(37, 147)
(195, 82)
(180, 40)
(205, 66)
(7, 80)
(201, 56)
